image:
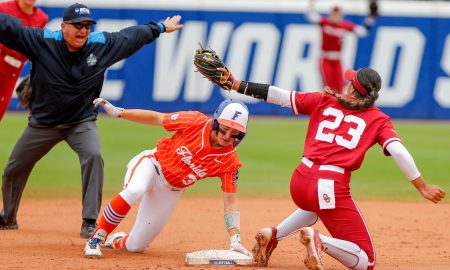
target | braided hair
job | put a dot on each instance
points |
(369, 80)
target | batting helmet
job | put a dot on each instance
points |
(233, 114)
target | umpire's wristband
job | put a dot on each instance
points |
(162, 27)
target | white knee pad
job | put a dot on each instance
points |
(348, 253)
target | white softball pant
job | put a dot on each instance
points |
(144, 181)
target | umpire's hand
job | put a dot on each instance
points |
(172, 24)
(108, 107)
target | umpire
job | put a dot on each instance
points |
(67, 74)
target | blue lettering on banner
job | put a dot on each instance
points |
(279, 47)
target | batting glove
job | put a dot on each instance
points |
(108, 107)
(236, 245)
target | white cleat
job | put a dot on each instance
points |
(109, 243)
(92, 248)
(311, 240)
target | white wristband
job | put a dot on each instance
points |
(232, 220)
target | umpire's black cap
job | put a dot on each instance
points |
(77, 13)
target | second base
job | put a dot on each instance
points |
(218, 257)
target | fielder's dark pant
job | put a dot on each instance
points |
(35, 143)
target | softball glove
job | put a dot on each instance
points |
(207, 62)
(23, 91)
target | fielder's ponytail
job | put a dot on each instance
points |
(370, 81)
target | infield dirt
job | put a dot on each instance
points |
(407, 235)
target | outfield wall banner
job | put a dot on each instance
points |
(270, 41)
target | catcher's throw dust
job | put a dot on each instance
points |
(199, 148)
(341, 130)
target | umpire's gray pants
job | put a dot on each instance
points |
(35, 143)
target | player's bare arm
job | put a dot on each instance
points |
(231, 206)
(147, 117)
(232, 222)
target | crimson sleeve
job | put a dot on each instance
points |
(306, 103)
(386, 135)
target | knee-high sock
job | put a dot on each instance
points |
(348, 253)
(113, 214)
(294, 222)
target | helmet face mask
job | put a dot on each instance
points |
(232, 114)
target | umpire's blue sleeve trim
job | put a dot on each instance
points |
(53, 35)
(162, 27)
(96, 37)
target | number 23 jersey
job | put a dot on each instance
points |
(340, 136)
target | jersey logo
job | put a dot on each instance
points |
(174, 117)
(186, 157)
(91, 60)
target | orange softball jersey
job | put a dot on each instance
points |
(187, 156)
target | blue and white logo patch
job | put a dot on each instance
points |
(174, 117)
(91, 60)
(82, 11)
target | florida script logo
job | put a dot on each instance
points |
(186, 158)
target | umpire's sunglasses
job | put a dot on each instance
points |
(80, 26)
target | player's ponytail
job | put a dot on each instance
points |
(366, 83)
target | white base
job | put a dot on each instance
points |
(218, 257)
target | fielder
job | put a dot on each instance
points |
(334, 28)
(200, 147)
(11, 61)
(341, 129)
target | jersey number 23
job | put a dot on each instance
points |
(355, 133)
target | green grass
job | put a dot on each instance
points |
(269, 154)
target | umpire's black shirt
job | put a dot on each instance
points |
(65, 84)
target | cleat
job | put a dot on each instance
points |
(92, 248)
(311, 240)
(109, 243)
(4, 225)
(266, 242)
(87, 228)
